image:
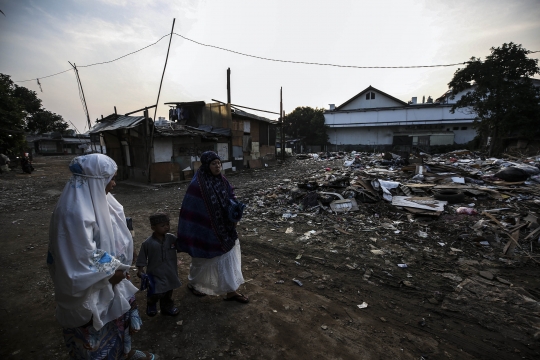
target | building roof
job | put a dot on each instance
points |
(76, 140)
(186, 103)
(370, 88)
(244, 114)
(114, 122)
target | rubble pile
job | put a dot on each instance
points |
(446, 225)
(361, 192)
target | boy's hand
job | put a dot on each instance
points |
(139, 273)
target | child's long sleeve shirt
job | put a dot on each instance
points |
(160, 260)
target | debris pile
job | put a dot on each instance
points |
(381, 192)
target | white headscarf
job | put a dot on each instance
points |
(88, 241)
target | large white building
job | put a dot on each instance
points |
(373, 117)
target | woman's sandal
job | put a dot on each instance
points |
(141, 355)
(195, 291)
(238, 297)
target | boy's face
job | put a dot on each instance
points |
(161, 228)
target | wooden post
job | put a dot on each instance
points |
(228, 85)
(282, 121)
(149, 154)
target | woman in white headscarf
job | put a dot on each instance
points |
(90, 253)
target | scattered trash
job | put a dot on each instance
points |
(298, 282)
(342, 205)
(466, 211)
(363, 305)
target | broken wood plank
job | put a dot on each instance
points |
(491, 217)
(533, 234)
(425, 203)
(341, 230)
(511, 244)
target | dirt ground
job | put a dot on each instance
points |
(439, 307)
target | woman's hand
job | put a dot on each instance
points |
(117, 277)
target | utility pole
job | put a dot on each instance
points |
(228, 85)
(281, 114)
(149, 157)
(79, 83)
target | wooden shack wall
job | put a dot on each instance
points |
(217, 115)
(136, 151)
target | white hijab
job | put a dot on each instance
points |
(88, 241)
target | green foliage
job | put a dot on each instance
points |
(43, 121)
(21, 111)
(501, 93)
(308, 123)
(11, 117)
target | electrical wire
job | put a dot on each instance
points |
(321, 64)
(99, 63)
(44, 77)
(261, 58)
(123, 56)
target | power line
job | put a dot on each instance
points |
(261, 58)
(131, 53)
(99, 63)
(320, 64)
(44, 77)
(327, 64)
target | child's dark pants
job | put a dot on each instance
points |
(165, 300)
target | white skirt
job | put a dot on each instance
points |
(219, 275)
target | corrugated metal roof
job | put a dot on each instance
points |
(236, 111)
(121, 122)
(76, 140)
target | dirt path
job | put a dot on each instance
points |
(439, 307)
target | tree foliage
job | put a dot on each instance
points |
(11, 116)
(308, 123)
(501, 93)
(21, 111)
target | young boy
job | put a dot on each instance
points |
(158, 254)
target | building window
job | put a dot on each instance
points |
(370, 95)
(464, 128)
(456, 128)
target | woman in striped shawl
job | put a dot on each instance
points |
(208, 235)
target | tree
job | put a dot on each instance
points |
(308, 123)
(11, 117)
(21, 111)
(501, 93)
(43, 121)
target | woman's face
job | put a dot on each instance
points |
(111, 184)
(215, 167)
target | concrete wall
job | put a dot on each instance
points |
(376, 127)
